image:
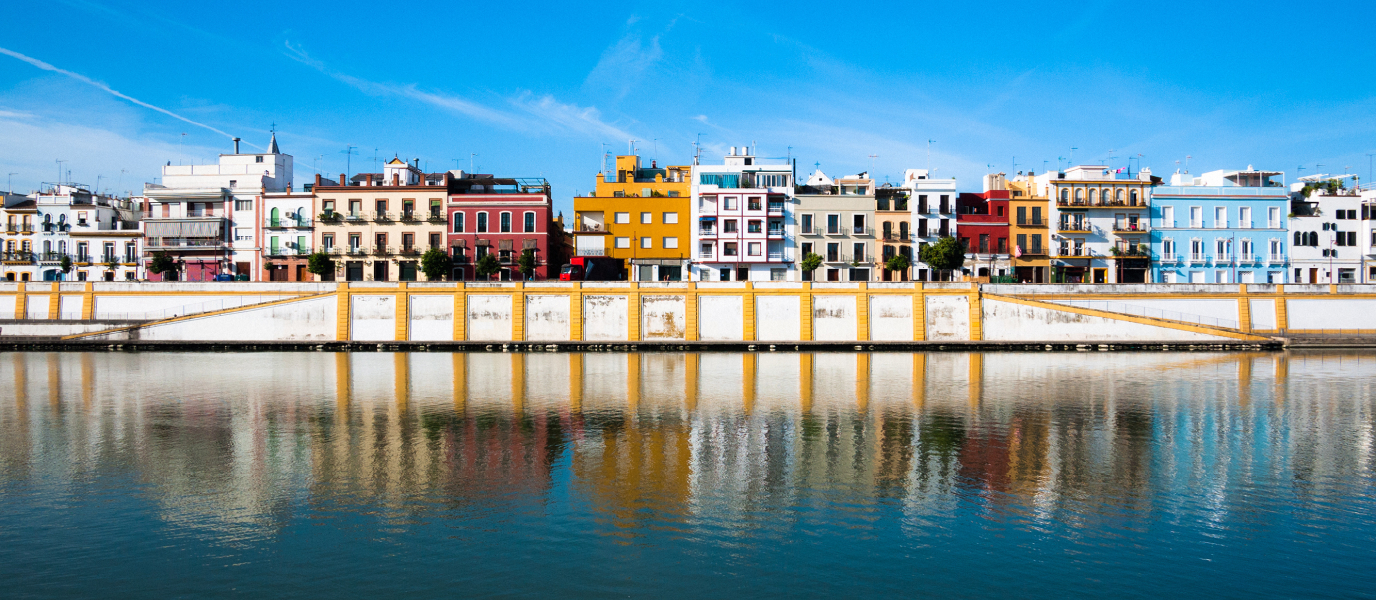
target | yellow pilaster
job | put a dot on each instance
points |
(862, 313)
(460, 314)
(633, 312)
(88, 302)
(403, 312)
(1244, 314)
(1244, 379)
(21, 302)
(748, 306)
(1282, 313)
(690, 307)
(576, 313)
(341, 320)
(55, 303)
(805, 313)
(919, 313)
(976, 314)
(518, 313)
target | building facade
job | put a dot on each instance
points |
(377, 228)
(17, 258)
(503, 217)
(1326, 231)
(743, 219)
(933, 207)
(1029, 229)
(1101, 220)
(983, 222)
(640, 215)
(894, 220)
(288, 235)
(1220, 227)
(99, 235)
(836, 221)
(208, 218)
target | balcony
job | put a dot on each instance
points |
(1129, 228)
(284, 223)
(708, 232)
(276, 251)
(1197, 259)
(383, 251)
(864, 231)
(408, 216)
(776, 208)
(1131, 251)
(1032, 223)
(16, 257)
(410, 251)
(356, 251)
(185, 243)
(436, 216)
(355, 217)
(1074, 227)
(188, 214)
(330, 217)
(776, 233)
(1275, 259)
(12, 228)
(382, 216)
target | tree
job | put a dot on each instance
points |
(526, 263)
(319, 263)
(112, 265)
(947, 254)
(435, 263)
(811, 261)
(898, 263)
(65, 264)
(162, 263)
(488, 266)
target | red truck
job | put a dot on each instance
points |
(594, 268)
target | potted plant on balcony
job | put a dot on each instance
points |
(436, 264)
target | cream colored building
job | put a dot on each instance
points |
(377, 229)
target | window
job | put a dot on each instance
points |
(806, 220)
(1036, 243)
(1220, 217)
(728, 202)
(771, 180)
(705, 250)
(482, 222)
(646, 218)
(833, 224)
(729, 249)
(505, 222)
(623, 218)
(435, 241)
(647, 242)
(755, 248)
(1244, 217)
(243, 234)
(408, 241)
(1022, 215)
(355, 241)
(725, 273)
(1196, 217)
(529, 223)
(670, 218)
(858, 224)
(1168, 216)
(670, 242)
(1273, 218)
(833, 252)
(903, 230)
(1276, 250)
(243, 205)
(1245, 248)
(754, 226)
(458, 222)
(381, 207)
(131, 252)
(728, 226)
(623, 242)
(1036, 215)
(753, 203)
(1221, 249)
(1168, 249)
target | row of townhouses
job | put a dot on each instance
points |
(743, 219)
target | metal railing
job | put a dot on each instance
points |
(189, 309)
(280, 223)
(1153, 313)
(184, 243)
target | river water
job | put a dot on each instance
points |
(687, 475)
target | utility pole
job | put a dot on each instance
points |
(9, 182)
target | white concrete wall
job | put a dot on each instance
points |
(7, 307)
(891, 318)
(70, 307)
(721, 318)
(432, 318)
(1263, 313)
(1007, 321)
(605, 318)
(834, 319)
(948, 318)
(37, 307)
(547, 318)
(1328, 313)
(312, 319)
(55, 328)
(1225, 309)
(373, 318)
(663, 317)
(166, 307)
(777, 318)
(489, 318)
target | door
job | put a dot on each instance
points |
(1100, 275)
(742, 273)
(408, 271)
(353, 271)
(1313, 276)
(380, 270)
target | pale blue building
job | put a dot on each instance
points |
(1220, 227)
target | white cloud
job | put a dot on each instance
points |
(624, 64)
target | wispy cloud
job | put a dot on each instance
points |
(623, 64)
(87, 80)
(529, 113)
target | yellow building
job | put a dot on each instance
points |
(1028, 230)
(640, 215)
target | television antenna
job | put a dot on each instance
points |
(349, 153)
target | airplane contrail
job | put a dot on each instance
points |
(84, 79)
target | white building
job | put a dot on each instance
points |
(933, 205)
(743, 224)
(1368, 235)
(1100, 215)
(211, 217)
(1329, 239)
(99, 234)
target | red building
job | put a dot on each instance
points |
(982, 222)
(503, 217)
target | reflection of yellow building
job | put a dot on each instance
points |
(638, 214)
(1028, 230)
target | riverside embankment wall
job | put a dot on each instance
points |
(727, 311)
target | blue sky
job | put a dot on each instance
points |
(537, 89)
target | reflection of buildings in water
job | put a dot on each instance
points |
(714, 436)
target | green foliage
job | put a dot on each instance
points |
(811, 261)
(112, 265)
(947, 254)
(488, 266)
(1330, 187)
(898, 262)
(65, 264)
(526, 263)
(436, 264)
(162, 263)
(319, 263)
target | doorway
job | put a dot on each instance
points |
(381, 269)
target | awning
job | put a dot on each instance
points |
(182, 229)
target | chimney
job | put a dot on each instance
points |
(652, 164)
(236, 145)
(733, 151)
(317, 180)
(342, 179)
(396, 179)
(370, 180)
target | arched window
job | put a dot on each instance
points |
(1080, 194)
(1299, 241)
(1093, 196)
(1120, 195)
(1065, 195)
(1134, 197)
(1314, 239)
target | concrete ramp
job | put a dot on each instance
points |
(1009, 318)
(294, 319)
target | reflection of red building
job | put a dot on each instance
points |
(503, 217)
(982, 220)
